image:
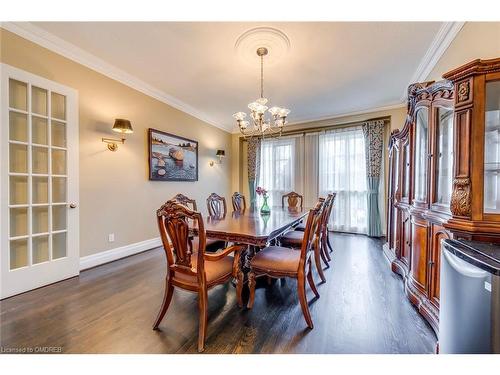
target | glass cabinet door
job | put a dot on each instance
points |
(492, 148)
(421, 152)
(405, 191)
(444, 154)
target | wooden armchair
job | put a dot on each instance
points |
(216, 205)
(292, 199)
(239, 202)
(190, 268)
(278, 262)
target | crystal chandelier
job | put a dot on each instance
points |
(262, 126)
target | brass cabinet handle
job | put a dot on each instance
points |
(72, 205)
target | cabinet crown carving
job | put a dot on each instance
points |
(460, 204)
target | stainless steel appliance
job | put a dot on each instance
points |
(469, 311)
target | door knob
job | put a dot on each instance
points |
(72, 205)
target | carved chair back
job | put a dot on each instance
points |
(174, 221)
(311, 230)
(328, 214)
(239, 202)
(182, 199)
(293, 199)
(216, 205)
(325, 215)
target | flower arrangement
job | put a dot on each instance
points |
(261, 191)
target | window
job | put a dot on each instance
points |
(277, 168)
(342, 169)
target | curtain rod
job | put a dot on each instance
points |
(331, 127)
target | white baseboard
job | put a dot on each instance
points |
(107, 256)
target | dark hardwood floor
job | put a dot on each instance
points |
(110, 309)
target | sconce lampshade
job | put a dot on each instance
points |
(123, 126)
(220, 153)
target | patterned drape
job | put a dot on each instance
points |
(253, 161)
(374, 139)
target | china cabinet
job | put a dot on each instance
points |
(444, 176)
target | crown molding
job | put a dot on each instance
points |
(345, 114)
(55, 44)
(445, 35)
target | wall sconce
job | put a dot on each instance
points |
(120, 126)
(220, 154)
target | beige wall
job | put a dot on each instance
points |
(115, 193)
(476, 40)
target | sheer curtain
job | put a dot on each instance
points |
(277, 167)
(342, 169)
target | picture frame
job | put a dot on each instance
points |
(172, 157)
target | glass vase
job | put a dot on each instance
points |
(265, 207)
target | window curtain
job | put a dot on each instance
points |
(311, 169)
(373, 132)
(277, 169)
(253, 162)
(342, 169)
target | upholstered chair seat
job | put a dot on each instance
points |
(292, 238)
(282, 259)
(220, 269)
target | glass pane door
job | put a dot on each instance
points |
(406, 171)
(421, 153)
(444, 155)
(37, 176)
(492, 148)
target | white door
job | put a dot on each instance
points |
(39, 182)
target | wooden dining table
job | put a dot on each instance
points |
(252, 228)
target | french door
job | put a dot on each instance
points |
(39, 182)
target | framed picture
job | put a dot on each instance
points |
(172, 158)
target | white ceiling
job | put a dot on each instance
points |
(332, 68)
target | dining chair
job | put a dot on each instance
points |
(239, 202)
(295, 239)
(211, 244)
(325, 235)
(189, 267)
(216, 205)
(292, 199)
(301, 227)
(279, 262)
(190, 203)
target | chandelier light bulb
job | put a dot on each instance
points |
(274, 110)
(239, 116)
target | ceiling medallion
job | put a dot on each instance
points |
(276, 42)
(261, 40)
